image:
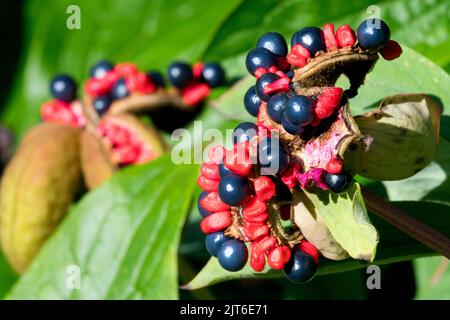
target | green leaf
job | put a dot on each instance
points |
(149, 33)
(7, 276)
(123, 237)
(394, 246)
(345, 215)
(432, 278)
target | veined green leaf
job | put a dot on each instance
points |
(121, 240)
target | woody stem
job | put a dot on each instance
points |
(406, 223)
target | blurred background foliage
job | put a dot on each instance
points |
(155, 32)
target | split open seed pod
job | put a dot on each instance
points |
(116, 141)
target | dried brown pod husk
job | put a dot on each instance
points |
(326, 67)
(39, 184)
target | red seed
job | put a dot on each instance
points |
(264, 188)
(257, 261)
(280, 85)
(216, 154)
(276, 259)
(216, 222)
(59, 112)
(322, 112)
(298, 56)
(254, 207)
(310, 249)
(345, 36)
(140, 82)
(238, 161)
(260, 71)
(332, 95)
(329, 99)
(197, 70)
(334, 166)
(273, 69)
(212, 203)
(265, 244)
(210, 171)
(194, 94)
(392, 50)
(207, 184)
(95, 87)
(254, 231)
(110, 78)
(289, 176)
(125, 69)
(257, 219)
(330, 39)
(126, 154)
(286, 253)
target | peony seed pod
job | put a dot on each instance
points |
(118, 140)
(38, 186)
(399, 139)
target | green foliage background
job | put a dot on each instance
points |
(126, 235)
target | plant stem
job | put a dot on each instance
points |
(406, 223)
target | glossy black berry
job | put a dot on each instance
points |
(201, 210)
(213, 74)
(157, 78)
(301, 267)
(299, 110)
(213, 241)
(99, 69)
(180, 74)
(276, 106)
(244, 131)
(274, 42)
(373, 34)
(224, 171)
(119, 89)
(233, 189)
(262, 82)
(252, 102)
(101, 104)
(272, 156)
(310, 38)
(232, 255)
(290, 127)
(63, 87)
(338, 183)
(259, 58)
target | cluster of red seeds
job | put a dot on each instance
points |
(68, 113)
(136, 81)
(126, 148)
(344, 37)
(250, 219)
